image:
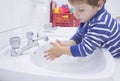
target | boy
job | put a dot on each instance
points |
(97, 30)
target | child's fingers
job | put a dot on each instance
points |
(60, 42)
(53, 44)
(49, 57)
(47, 51)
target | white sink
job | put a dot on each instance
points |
(97, 67)
(34, 67)
(90, 65)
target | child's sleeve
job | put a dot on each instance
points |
(94, 38)
(77, 37)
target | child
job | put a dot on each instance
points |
(97, 30)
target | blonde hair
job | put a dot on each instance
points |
(90, 2)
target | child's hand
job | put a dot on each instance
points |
(55, 51)
(58, 48)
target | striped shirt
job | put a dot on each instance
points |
(102, 31)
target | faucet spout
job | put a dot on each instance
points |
(45, 38)
(33, 42)
(28, 46)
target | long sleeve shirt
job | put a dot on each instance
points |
(102, 31)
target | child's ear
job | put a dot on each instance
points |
(100, 4)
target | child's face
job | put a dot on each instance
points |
(84, 12)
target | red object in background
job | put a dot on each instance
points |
(65, 20)
(53, 5)
(64, 9)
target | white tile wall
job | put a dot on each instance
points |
(5, 15)
(59, 3)
(113, 7)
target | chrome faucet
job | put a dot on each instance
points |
(15, 43)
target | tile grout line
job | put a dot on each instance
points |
(13, 29)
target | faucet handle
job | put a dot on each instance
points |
(46, 38)
(15, 42)
(29, 35)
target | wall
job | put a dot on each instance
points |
(19, 16)
(113, 7)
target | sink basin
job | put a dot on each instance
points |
(32, 66)
(97, 67)
(90, 65)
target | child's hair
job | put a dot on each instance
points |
(90, 2)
